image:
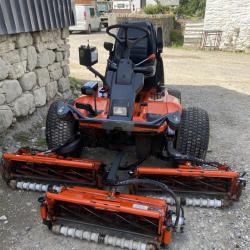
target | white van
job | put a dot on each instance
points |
(86, 19)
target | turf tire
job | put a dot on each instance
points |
(57, 130)
(193, 134)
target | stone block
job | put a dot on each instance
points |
(45, 58)
(56, 74)
(17, 70)
(63, 84)
(51, 45)
(4, 69)
(6, 46)
(6, 117)
(66, 54)
(63, 47)
(51, 90)
(54, 66)
(40, 47)
(42, 77)
(24, 105)
(59, 56)
(52, 56)
(2, 99)
(65, 33)
(32, 58)
(67, 94)
(64, 62)
(56, 34)
(24, 40)
(11, 89)
(28, 81)
(40, 97)
(23, 54)
(3, 38)
(11, 57)
(66, 70)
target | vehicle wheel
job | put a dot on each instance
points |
(89, 30)
(176, 93)
(58, 131)
(193, 134)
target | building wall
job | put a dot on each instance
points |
(232, 17)
(33, 70)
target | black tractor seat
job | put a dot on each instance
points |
(140, 52)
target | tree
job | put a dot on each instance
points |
(192, 8)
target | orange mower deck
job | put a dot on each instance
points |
(123, 214)
(27, 170)
(186, 179)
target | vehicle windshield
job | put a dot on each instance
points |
(102, 7)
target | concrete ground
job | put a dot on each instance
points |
(218, 82)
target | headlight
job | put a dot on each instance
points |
(120, 111)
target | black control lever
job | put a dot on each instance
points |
(112, 176)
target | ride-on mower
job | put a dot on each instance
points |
(132, 108)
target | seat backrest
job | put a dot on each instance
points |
(142, 49)
(123, 85)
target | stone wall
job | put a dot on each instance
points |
(34, 68)
(160, 20)
(233, 19)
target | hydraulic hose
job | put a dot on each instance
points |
(132, 166)
(176, 155)
(160, 185)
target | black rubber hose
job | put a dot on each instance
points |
(160, 185)
(176, 155)
(132, 166)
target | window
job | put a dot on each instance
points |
(92, 12)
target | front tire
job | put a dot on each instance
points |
(58, 131)
(193, 134)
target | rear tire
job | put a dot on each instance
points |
(193, 134)
(58, 131)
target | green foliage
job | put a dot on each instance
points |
(191, 8)
(75, 83)
(176, 37)
(151, 9)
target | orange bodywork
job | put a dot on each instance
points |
(167, 104)
(101, 200)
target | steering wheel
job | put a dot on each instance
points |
(129, 43)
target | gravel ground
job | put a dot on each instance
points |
(218, 82)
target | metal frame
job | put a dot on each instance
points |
(211, 35)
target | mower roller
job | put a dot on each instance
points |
(132, 109)
(31, 170)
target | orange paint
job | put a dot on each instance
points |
(115, 202)
(53, 159)
(168, 104)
